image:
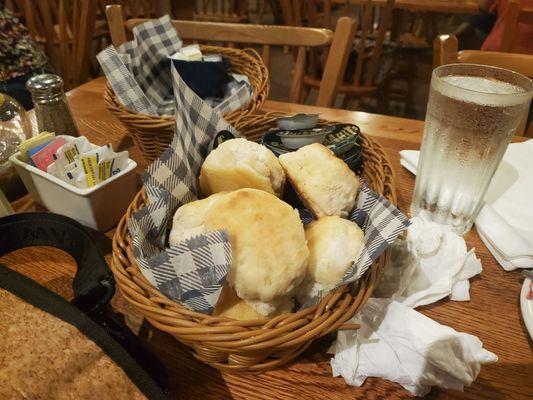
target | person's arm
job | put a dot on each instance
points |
(486, 5)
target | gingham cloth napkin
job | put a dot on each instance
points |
(194, 271)
(139, 72)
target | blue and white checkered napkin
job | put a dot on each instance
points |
(194, 271)
(139, 72)
(381, 223)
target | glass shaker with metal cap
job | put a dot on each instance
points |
(51, 108)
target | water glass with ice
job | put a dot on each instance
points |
(473, 112)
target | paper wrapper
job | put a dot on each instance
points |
(139, 72)
(194, 271)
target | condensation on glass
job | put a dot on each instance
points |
(472, 114)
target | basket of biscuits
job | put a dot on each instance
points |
(266, 249)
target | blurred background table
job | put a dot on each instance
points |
(493, 314)
(443, 6)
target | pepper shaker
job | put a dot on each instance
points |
(51, 108)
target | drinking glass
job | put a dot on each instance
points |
(473, 112)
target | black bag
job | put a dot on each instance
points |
(93, 287)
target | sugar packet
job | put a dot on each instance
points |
(66, 153)
(95, 166)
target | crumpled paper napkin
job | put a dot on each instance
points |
(430, 264)
(398, 343)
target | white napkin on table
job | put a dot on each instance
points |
(397, 343)
(430, 264)
(505, 223)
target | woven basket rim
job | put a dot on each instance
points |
(286, 335)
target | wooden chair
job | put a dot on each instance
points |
(65, 28)
(260, 8)
(445, 52)
(515, 15)
(372, 31)
(313, 13)
(235, 11)
(136, 8)
(361, 83)
(339, 43)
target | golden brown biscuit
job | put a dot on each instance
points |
(334, 244)
(240, 163)
(269, 251)
(324, 183)
(188, 219)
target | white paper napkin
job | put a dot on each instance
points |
(505, 223)
(397, 343)
(430, 264)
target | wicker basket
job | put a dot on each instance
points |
(260, 345)
(153, 134)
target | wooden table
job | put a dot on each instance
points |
(441, 6)
(493, 313)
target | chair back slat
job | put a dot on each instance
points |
(366, 23)
(445, 48)
(247, 33)
(298, 76)
(380, 35)
(221, 11)
(367, 63)
(336, 61)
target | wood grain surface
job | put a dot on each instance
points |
(493, 314)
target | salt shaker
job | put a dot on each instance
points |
(51, 108)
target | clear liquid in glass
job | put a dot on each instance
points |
(465, 137)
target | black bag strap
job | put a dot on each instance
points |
(93, 284)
